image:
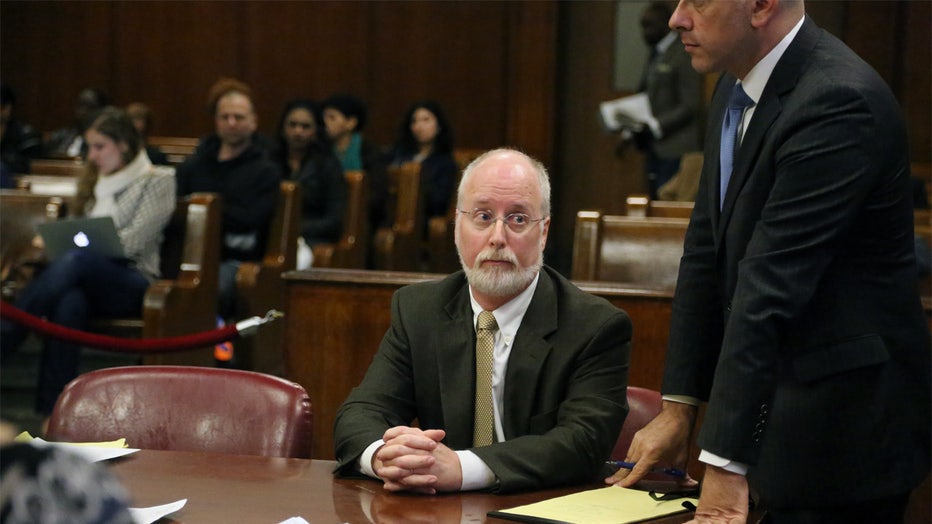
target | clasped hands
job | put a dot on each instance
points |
(724, 496)
(413, 459)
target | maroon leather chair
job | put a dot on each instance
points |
(186, 408)
(643, 405)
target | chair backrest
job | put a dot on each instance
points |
(643, 405)
(684, 186)
(639, 250)
(399, 247)
(643, 206)
(186, 408)
(352, 248)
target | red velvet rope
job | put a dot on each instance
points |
(123, 345)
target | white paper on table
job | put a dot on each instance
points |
(294, 520)
(154, 513)
(87, 452)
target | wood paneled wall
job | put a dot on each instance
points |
(490, 64)
(526, 73)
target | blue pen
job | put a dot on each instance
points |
(673, 472)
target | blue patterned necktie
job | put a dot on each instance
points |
(737, 103)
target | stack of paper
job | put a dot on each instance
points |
(628, 112)
(611, 505)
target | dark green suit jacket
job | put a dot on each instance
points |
(564, 399)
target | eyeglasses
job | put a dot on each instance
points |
(483, 219)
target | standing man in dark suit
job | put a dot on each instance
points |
(558, 372)
(796, 314)
(674, 90)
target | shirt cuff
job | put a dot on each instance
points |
(476, 474)
(365, 460)
(732, 466)
(682, 399)
(654, 126)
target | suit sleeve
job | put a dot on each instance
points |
(384, 398)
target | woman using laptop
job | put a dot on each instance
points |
(120, 182)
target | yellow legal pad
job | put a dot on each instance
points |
(610, 505)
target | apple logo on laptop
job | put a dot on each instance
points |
(81, 239)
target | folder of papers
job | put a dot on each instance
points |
(610, 505)
(628, 112)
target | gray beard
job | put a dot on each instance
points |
(496, 282)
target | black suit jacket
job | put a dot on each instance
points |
(565, 385)
(796, 310)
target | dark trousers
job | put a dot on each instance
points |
(659, 171)
(79, 285)
(888, 510)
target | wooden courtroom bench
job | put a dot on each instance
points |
(399, 247)
(352, 248)
(336, 319)
(184, 301)
(441, 247)
(641, 251)
(176, 149)
(643, 206)
(20, 213)
(260, 288)
(56, 166)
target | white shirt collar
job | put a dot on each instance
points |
(509, 315)
(756, 79)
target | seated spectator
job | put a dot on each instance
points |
(304, 154)
(122, 183)
(19, 142)
(68, 142)
(230, 163)
(142, 119)
(425, 137)
(345, 119)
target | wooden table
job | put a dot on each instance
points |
(248, 489)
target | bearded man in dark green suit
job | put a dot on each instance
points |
(560, 358)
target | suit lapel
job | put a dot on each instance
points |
(782, 80)
(528, 354)
(455, 341)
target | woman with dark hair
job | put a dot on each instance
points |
(425, 137)
(305, 155)
(120, 182)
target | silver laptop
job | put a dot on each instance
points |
(97, 234)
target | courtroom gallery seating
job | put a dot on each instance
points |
(643, 251)
(441, 249)
(175, 148)
(20, 213)
(643, 206)
(186, 408)
(399, 247)
(184, 301)
(351, 250)
(260, 288)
